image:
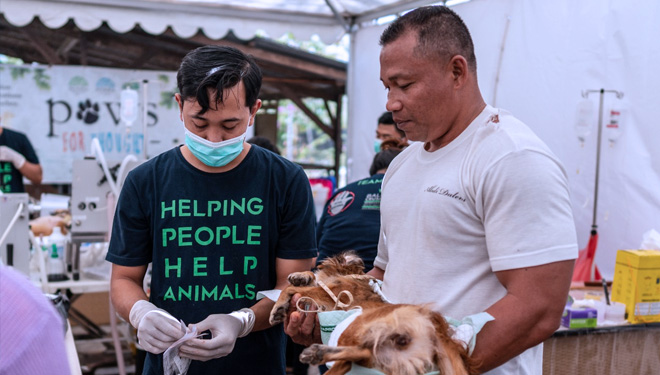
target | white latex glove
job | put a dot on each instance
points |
(156, 328)
(9, 154)
(225, 329)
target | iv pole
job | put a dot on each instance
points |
(594, 227)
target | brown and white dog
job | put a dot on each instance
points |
(396, 339)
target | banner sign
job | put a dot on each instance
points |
(62, 108)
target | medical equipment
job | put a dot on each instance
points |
(94, 190)
(585, 266)
(92, 206)
(15, 227)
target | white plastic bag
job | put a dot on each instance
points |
(650, 240)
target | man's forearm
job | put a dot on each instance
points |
(527, 315)
(515, 329)
(377, 273)
(32, 172)
(125, 293)
(124, 297)
(262, 311)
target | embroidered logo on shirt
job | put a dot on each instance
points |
(340, 202)
(371, 202)
(442, 191)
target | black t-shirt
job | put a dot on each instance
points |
(11, 180)
(351, 221)
(213, 239)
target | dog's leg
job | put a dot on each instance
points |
(450, 357)
(318, 354)
(450, 362)
(305, 278)
(281, 307)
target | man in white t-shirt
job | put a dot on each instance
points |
(478, 210)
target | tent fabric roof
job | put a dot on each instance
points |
(329, 19)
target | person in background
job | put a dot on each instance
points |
(351, 217)
(476, 215)
(387, 130)
(264, 142)
(17, 160)
(219, 220)
(31, 335)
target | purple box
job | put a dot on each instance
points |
(582, 317)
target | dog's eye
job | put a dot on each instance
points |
(400, 340)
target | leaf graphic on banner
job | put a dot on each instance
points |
(42, 79)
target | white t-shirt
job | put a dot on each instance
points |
(493, 199)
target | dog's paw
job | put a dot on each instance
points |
(278, 313)
(314, 355)
(302, 278)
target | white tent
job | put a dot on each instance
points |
(327, 18)
(535, 58)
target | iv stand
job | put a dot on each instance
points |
(585, 94)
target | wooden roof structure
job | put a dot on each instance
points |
(288, 73)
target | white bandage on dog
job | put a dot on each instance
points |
(272, 294)
(247, 318)
(466, 329)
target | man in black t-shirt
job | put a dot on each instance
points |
(17, 160)
(219, 220)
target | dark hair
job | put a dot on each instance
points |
(264, 143)
(389, 150)
(440, 32)
(217, 68)
(386, 119)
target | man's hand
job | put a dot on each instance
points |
(156, 329)
(302, 327)
(11, 155)
(224, 328)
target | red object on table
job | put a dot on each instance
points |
(584, 265)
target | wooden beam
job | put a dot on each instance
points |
(279, 59)
(337, 138)
(302, 81)
(43, 48)
(289, 93)
(330, 114)
(66, 46)
(83, 49)
(147, 54)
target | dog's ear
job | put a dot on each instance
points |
(353, 262)
(344, 263)
(450, 356)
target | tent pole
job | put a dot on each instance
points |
(585, 94)
(600, 132)
(594, 226)
(145, 111)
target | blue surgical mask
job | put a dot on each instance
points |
(377, 143)
(214, 154)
